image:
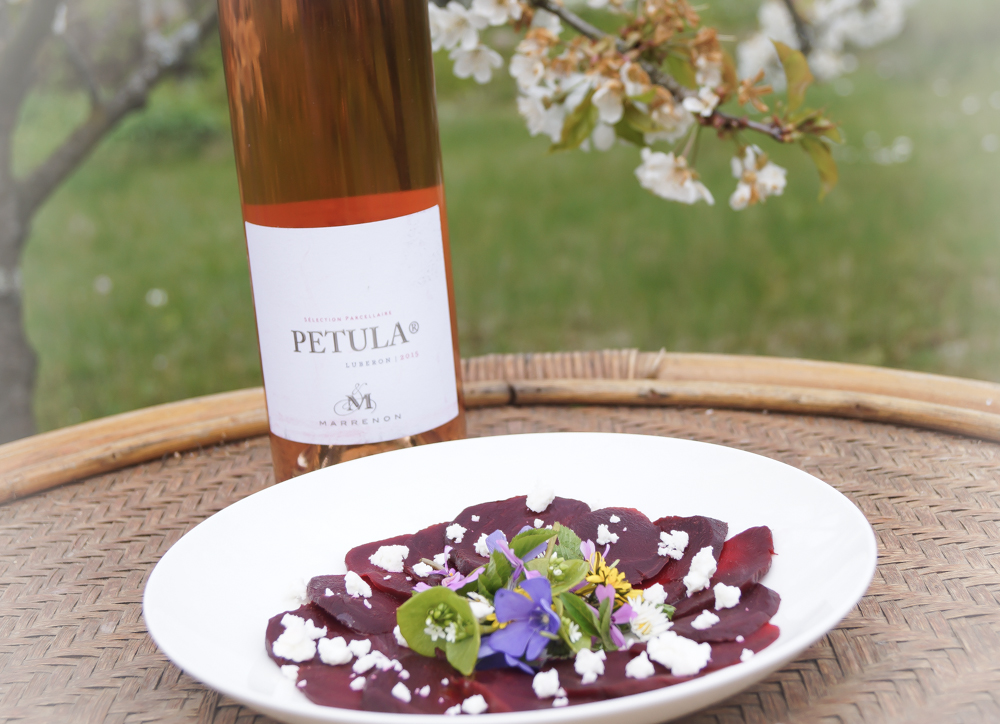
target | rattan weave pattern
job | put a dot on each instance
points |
(923, 645)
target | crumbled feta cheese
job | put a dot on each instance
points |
(740, 639)
(442, 558)
(704, 620)
(453, 710)
(358, 684)
(561, 701)
(746, 655)
(298, 641)
(366, 602)
(655, 594)
(546, 684)
(328, 593)
(334, 652)
(444, 682)
(614, 519)
(390, 558)
(475, 519)
(589, 665)
(605, 536)
(475, 705)
(673, 544)
(399, 638)
(726, 596)
(640, 667)
(539, 522)
(540, 498)
(481, 547)
(424, 690)
(367, 662)
(404, 674)
(682, 656)
(395, 666)
(480, 605)
(301, 684)
(703, 567)
(401, 692)
(291, 671)
(356, 585)
(360, 647)
(625, 529)
(455, 532)
(422, 569)
(386, 578)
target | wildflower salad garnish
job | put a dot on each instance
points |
(544, 595)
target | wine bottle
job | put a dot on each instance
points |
(339, 167)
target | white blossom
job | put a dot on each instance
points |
(704, 103)
(670, 178)
(609, 102)
(477, 62)
(649, 620)
(603, 137)
(547, 121)
(707, 73)
(497, 12)
(527, 70)
(634, 79)
(455, 26)
(547, 20)
(758, 179)
(674, 120)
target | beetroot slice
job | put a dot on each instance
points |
(510, 690)
(756, 607)
(328, 685)
(510, 516)
(423, 671)
(613, 682)
(701, 532)
(637, 541)
(744, 560)
(352, 612)
(728, 653)
(426, 543)
(310, 612)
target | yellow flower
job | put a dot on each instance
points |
(602, 574)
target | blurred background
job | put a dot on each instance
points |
(135, 282)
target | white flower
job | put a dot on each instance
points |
(603, 137)
(497, 12)
(527, 70)
(635, 79)
(547, 20)
(670, 178)
(707, 73)
(480, 605)
(648, 620)
(477, 62)
(674, 120)
(540, 119)
(758, 179)
(609, 102)
(704, 103)
(454, 26)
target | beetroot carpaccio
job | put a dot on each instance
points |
(528, 603)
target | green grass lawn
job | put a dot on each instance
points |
(898, 267)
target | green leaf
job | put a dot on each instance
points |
(527, 541)
(639, 121)
(797, 74)
(464, 654)
(576, 129)
(668, 610)
(572, 573)
(604, 623)
(625, 132)
(682, 69)
(568, 546)
(646, 97)
(575, 608)
(412, 620)
(496, 575)
(820, 153)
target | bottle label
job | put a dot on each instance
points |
(354, 329)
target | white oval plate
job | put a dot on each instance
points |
(208, 600)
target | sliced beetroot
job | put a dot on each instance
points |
(510, 516)
(637, 540)
(744, 560)
(728, 653)
(420, 671)
(613, 682)
(508, 690)
(426, 543)
(756, 607)
(328, 685)
(310, 612)
(701, 532)
(373, 615)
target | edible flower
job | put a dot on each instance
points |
(603, 574)
(531, 622)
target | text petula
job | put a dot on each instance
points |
(347, 340)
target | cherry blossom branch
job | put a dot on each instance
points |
(801, 29)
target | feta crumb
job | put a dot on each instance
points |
(328, 593)
(301, 684)
(740, 639)
(726, 596)
(360, 647)
(401, 692)
(703, 567)
(357, 586)
(539, 522)
(475, 519)
(704, 620)
(367, 604)
(395, 666)
(334, 652)
(682, 656)
(404, 674)
(299, 591)
(424, 690)
(481, 547)
(422, 569)
(540, 498)
(390, 558)
(546, 684)
(444, 682)
(624, 529)
(453, 710)
(475, 705)
(386, 578)
(673, 544)
(480, 605)
(655, 594)
(291, 671)
(455, 532)
(561, 701)
(442, 558)
(589, 665)
(746, 655)
(640, 667)
(358, 684)
(367, 662)
(399, 638)
(605, 536)
(614, 519)
(298, 641)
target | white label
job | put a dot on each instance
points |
(354, 329)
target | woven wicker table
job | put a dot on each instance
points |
(917, 453)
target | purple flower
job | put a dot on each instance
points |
(531, 623)
(623, 615)
(452, 579)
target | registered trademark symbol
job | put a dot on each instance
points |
(414, 327)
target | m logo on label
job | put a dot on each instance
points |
(354, 401)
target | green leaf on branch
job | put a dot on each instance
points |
(797, 74)
(577, 127)
(527, 541)
(568, 546)
(682, 69)
(820, 153)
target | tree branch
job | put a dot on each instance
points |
(80, 64)
(37, 187)
(801, 28)
(17, 59)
